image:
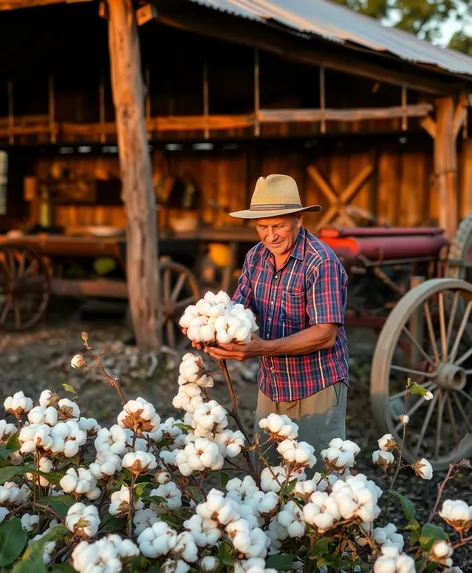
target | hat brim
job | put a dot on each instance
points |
(248, 214)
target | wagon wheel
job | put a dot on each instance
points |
(24, 287)
(424, 339)
(179, 290)
(460, 254)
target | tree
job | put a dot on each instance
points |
(425, 18)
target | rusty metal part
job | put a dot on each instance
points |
(442, 370)
(24, 287)
(332, 232)
(387, 248)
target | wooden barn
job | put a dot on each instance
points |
(360, 115)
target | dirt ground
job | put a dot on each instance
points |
(40, 359)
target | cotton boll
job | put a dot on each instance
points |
(209, 564)
(157, 540)
(207, 333)
(143, 519)
(223, 337)
(222, 298)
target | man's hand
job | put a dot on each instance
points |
(197, 345)
(237, 351)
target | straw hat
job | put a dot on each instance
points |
(274, 196)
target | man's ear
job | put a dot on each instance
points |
(299, 220)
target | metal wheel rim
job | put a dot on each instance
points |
(8, 303)
(383, 356)
(459, 251)
(172, 306)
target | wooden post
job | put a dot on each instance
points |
(445, 165)
(449, 120)
(136, 175)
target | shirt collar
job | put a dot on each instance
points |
(298, 251)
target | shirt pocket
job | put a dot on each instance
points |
(294, 307)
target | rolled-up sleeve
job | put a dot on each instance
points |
(327, 293)
(243, 294)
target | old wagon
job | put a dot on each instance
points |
(411, 285)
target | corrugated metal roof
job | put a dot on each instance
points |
(340, 24)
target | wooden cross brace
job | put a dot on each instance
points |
(339, 201)
(460, 113)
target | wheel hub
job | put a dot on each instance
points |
(450, 377)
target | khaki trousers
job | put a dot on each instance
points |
(320, 418)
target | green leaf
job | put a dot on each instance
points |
(185, 427)
(321, 546)
(5, 453)
(59, 503)
(415, 529)
(32, 560)
(196, 493)
(158, 500)
(71, 389)
(61, 568)
(225, 554)
(114, 525)
(414, 388)
(407, 506)
(140, 487)
(12, 541)
(431, 533)
(291, 485)
(9, 472)
(281, 561)
(13, 442)
(224, 479)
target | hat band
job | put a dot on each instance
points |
(274, 206)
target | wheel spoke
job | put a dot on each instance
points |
(441, 401)
(460, 332)
(416, 406)
(16, 309)
(425, 425)
(462, 411)
(464, 357)
(452, 418)
(412, 371)
(417, 345)
(178, 287)
(432, 337)
(442, 326)
(452, 317)
(184, 302)
(166, 285)
(6, 310)
(465, 395)
(170, 334)
(401, 394)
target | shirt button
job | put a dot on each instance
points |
(270, 318)
(267, 336)
(271, 302)
(276, 276)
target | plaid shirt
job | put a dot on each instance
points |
(310, 288)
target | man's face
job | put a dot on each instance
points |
(279, 234)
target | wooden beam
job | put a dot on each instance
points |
(347, 115)
(460, 113)
(445, 166)
(36, 125)
(377, 66)
(429, 125)
(15, 4)
(142, 263)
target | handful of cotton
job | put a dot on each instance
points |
(217, 319)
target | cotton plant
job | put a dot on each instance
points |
(140, 494)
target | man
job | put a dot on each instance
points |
(297, 288)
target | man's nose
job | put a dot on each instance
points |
(272, 235)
